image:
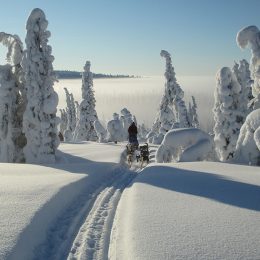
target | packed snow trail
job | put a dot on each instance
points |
(92, 241)
(83, 230)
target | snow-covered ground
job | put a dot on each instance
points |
(42, 207)
(199, 210)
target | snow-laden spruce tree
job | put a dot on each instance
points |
(172, 109)
(77, 112)
(248, 144)
(71, 116)
(194, 119)
(174, 92)
(101, 131)
(85, 129)
(115, 129)
(63, 121)
(126, 119)
(242, 74)
(40, 120)
(250, 37)
(142, 132)
(227, 114)
(12, 101)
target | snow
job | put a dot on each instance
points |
(115, 129)
(89, 206)
(101, 131)
(198, 210)
(34, 197)
(248, 143)
(185, 144)
(85, 130)
(228, 114)
(250, 37)
(37, 62)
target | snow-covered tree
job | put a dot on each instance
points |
(185, 145)
(63, 121)
(40, 120)
(77, 112)
(115, 129)
(142, 132)
(85, 129)
(174, 92)
(250, 36)
(193, 117)
(71, 116)
(101, 131)
(172, 108)
(242, 74)
(12, 101)
(73, 113)
(228, 118)
(248, 144)
(126, 119)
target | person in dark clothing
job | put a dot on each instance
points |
(132, 134)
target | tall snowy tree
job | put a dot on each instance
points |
(126, 119)
(174, 92)
(227, 116)
(101, 131)
(242, 74)
(194, 119)
(77, 111)
(85, 129)
(12, 102)
(250, 36)
(115, 129)
(40, 120)
(248, 144)
(63, 121)
(172, 108)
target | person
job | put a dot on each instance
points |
(132, 134)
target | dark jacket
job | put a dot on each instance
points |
(132, 130)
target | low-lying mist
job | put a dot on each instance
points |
(142, 96)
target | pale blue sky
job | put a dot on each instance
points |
(126, 36)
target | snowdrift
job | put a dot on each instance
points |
(185, 144)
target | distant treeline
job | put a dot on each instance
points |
(67, 74)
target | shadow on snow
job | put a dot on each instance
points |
(207, 185)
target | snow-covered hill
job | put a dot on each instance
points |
(42, 207)
(199, 210)
(167, 211)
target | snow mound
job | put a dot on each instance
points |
(248, 144)
(185, 144)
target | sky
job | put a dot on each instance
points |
(126, 36)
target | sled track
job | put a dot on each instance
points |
(83, 230)
(92, 241)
